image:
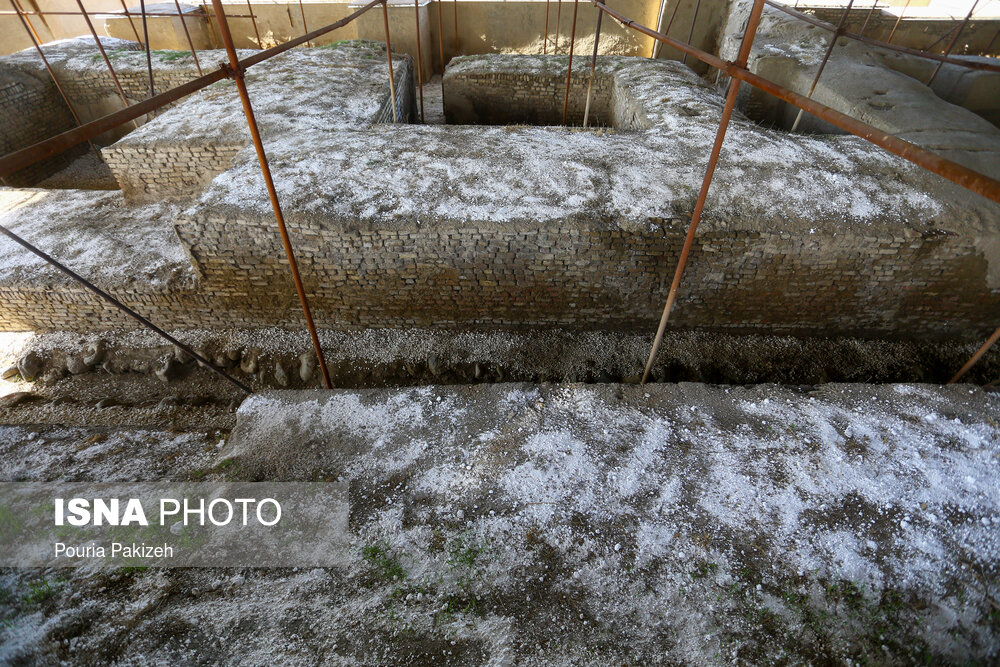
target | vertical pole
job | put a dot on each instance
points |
(694, 19)
(305, 27)
(868, 18)
(977, 356)
(833, 42)
(420, 58)
(441, 41)
(388, 53)
(898, 19)
(670, 24)
(655, 51)
(555, 44)
(260, 44)
(720, 136)
(188, 35)
(954, 39)
(265, 169)
(37, 42)
(145, 41)
(107, 61)
(545, 37)
(593, 66)
(569, 66)
(130, 21)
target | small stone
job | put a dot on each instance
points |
(181, 356)
(234, 354)
(411, 368)
(75, 365)
(434, 365)
(222, 361)
(280, 374)
(18, 397)
(168, 371)
(249, 364)
(307, 366)
(94, 353)
(169, 402)
(10, 373)
(107, 403)
(477, 371)
(29, 366)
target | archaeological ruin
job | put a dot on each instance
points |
(641, 332)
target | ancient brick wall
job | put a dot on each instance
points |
(147, 172)
(31, 110)
(481, 97)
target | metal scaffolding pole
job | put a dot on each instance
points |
(593, 66)
(107, 61)
(121, 306)
(545, 36)
(569, 66)
(236, 71)
(260, 44)
(388, 54)
(720, 136)
(951, 44)
(694, 19)
(149, 55)
(826, 58)
(977, 356)
(187, 34)
(896, 25)
(420, 58)
(305, 28)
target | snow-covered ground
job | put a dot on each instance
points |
(577, 524)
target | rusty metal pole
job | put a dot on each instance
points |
(545, 35)
(569, 66)
(826, 57)
(896, 25)
(868, 18)
(441, 41)
(694, 19)
(555, 44)
(720, 136)
(236, 71)
(977, 356)
(954, 39)
(121, 306)
(260, 44)
(388, 53)
(149, 55)
(305, 28)
(36, 41)
(670, 24)
(420, 58)
(187, 34)
(107, 61)
(130, 21)
(593, 66)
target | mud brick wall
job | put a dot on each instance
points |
(148, 172)
(94, 85)
(484, 97)
(31, 110)
(577, 275)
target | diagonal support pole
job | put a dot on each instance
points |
(826, 58)
(593, 66)
(977, 356)
(720, 137)
(569, 67)
(236, 71)
(121, 306)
